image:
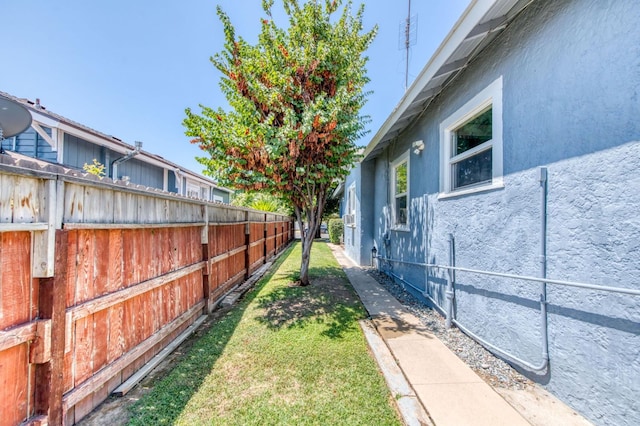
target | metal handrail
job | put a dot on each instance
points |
(612, 289)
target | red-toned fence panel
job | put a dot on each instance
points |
(271, 239)
(256, 245)
(18, 304)
(128, 285)
(132, 272)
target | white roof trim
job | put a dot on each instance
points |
(466, 27)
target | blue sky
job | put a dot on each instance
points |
(130, 68)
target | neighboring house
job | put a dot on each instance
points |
(57, 139)
(520, 138)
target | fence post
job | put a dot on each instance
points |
(247, 243)
(266, 234)
(52, 305)
(206, 289)
(44, 241)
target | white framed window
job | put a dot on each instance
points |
(350, 213)
(204, 193)
(193, 190)
(471, 145)
(400, 192)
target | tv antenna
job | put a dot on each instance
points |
(407, 38)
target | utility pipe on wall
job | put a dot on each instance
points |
(178, 174)
(450, 278)
(543, 291)
(130, 154)
(543, 270)
(450, 291)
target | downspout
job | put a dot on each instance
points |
(543, 267)
(386, 237)
(543, 294)
(450, 279)
(130, 155)
(178, 174)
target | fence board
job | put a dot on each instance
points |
(15, 279)
(27, 198)
(130, 260)
(72, 271)
(101, 262)
(98, 204)
(125, 208)
(7, 183)
(83, 349)
(84, 287)
(73, 203)
(115, 338)
(15, 373)
(100, 339)
(115, 263)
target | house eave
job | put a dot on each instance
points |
(481, 21)
(50, 119)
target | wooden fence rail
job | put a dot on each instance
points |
(98, 277)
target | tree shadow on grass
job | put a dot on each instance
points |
(329, 300)
(169, 394)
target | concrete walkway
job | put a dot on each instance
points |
(450, 392)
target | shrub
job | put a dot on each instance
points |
(97, 168)
(335, 230)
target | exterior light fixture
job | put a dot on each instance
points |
(418, 147)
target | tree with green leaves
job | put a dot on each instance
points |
(261, 201)
(295, 99)
(95, 168)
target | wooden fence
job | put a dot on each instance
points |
(96, 278)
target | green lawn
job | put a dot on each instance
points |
(284, 355)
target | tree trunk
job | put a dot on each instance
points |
(307, 240)
(306, 237)
(314, 217)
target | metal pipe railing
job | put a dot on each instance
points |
(588, 286)
(506, 355)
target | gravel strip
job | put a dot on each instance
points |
(493, 370)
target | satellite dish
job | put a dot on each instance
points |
(14, 118)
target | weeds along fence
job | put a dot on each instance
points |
(96, 278)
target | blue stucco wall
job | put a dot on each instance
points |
(571, 83)
(358, 240)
